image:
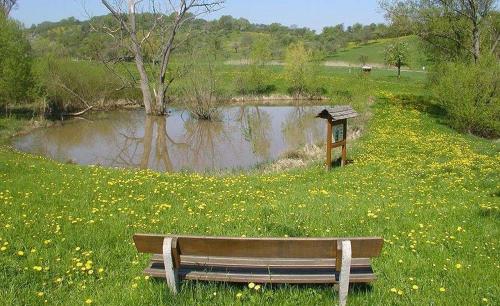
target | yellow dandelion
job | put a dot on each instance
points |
(458, 266)
(251, 285)
(414, 287)
(239, 295)
(257, 287)
(20, 253)
(442, 289)
(88, 301)
(37, 268)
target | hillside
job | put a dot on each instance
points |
(227, 36)
(374, 50)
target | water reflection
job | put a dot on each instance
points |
(247, 136)
(256, 127)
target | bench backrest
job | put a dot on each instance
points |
(362, 247)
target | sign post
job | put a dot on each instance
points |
(336, 130)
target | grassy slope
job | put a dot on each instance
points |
(429, 191)
(375, 52)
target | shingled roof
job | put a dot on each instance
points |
(338, 112)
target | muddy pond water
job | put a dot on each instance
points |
(245, 137)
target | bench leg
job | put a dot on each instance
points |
(345, 272)
(170, 271)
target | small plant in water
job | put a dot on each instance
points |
(202, 93)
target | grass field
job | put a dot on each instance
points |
(375, 50)
(431, 193)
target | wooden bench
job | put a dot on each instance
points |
(260, 260)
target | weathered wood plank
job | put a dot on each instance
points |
(338, 113)
(242, 262)
(260, 247)
(339, 144)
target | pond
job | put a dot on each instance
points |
(247, 136)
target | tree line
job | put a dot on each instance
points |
(233, 37)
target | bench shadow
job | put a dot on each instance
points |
(185, 285)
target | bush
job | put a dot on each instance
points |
(469, 94)
(16, 81)
(301, 71)
(254, 79)
(201, 89)
(73, 85)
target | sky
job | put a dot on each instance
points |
(314, 14)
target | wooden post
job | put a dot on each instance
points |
(344, 147)
(329, 135)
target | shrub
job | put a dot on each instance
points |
(16, 81)
(254, 79)
(201, 89)
(469, 94)
(301, 71)
(69, 85)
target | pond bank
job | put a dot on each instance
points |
(248, 135)
(254, 123)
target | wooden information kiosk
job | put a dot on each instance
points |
(336, 130)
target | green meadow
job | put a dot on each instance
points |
(430, 192)
(374, 50)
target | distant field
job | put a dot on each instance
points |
(342, 85)
(375, 52)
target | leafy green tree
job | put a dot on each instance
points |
(301, 67)
(452, 29)
(16, 81)
(297, 68)
(254, 78)
(333, 38)
(396, 54)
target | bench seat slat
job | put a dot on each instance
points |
(325, 278)
(262, 262)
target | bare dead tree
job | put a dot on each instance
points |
(6, 6)
(169, 17)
